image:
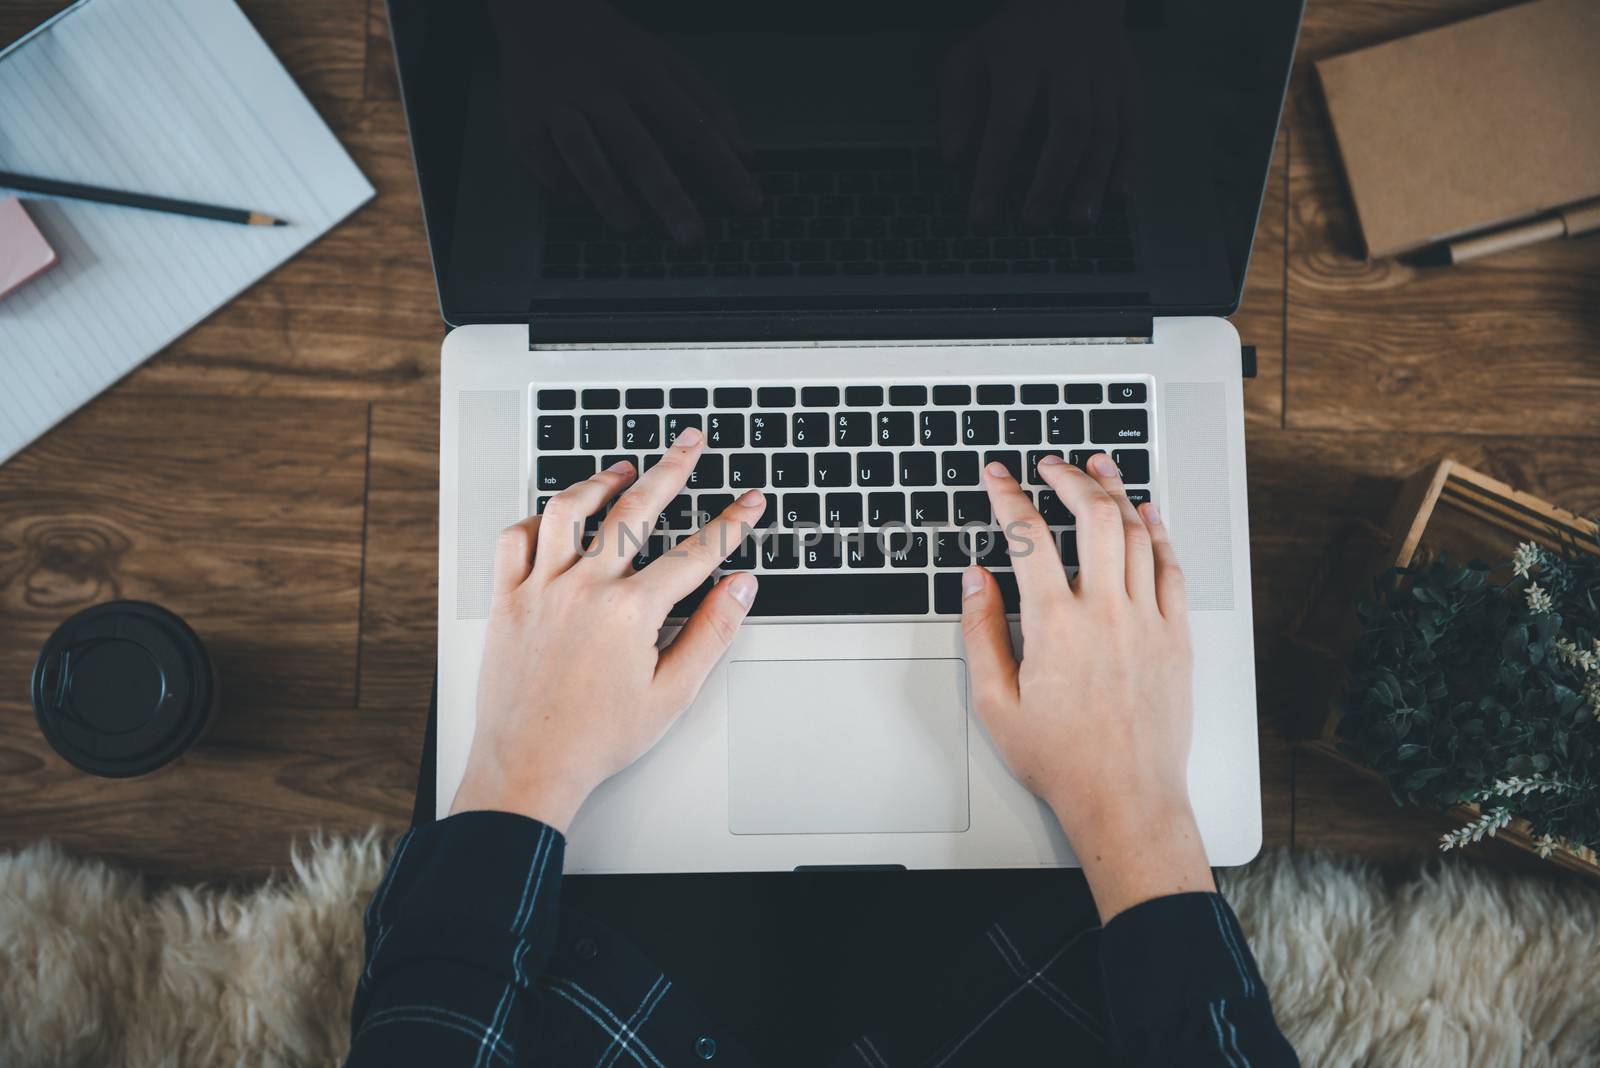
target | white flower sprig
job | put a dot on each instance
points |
(1488, 824)
(1526, 559)
(1538, 597)
(1518, 786)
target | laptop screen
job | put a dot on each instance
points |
(1053, 157)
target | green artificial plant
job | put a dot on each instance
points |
(1465, 687)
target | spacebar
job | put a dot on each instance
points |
(811, 594)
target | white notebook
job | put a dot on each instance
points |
(174, 97)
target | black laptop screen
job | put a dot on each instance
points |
(685, 162)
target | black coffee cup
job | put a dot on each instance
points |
(123, 688)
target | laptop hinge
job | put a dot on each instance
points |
(835, 331)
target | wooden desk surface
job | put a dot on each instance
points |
(273, 475)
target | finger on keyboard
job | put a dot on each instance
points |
(638, 509)
(690, 563)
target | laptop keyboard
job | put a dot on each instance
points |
(875, 501)
(885, 213)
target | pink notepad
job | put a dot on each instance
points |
(23, 250)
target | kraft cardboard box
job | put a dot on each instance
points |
(1470, 126)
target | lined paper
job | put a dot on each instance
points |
(174, 97)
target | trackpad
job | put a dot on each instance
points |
(847, 746)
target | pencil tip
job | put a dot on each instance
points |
(280, 222)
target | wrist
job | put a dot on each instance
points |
(552, 799)
(1136, 848)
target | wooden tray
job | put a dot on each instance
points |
(1448, 506)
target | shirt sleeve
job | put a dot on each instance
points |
(460, 928)
(1182, 987)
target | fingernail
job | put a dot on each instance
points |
(621, 467)
(688, 439)
(742, 588)
(1050, 460)
(998, 470)
(971, 581)
(1102, 465)
(751, 499)
(1152, 516)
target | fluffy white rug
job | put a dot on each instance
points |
(1452, 966)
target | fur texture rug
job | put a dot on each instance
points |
(1451, 966)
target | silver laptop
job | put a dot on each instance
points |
(857, 347)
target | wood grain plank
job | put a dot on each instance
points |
(244, 517)
(400, 595)
(1484, 347)
(382, 83)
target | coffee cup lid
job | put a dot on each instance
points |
(122, 688)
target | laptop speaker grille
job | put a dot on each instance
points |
(489, 490)
(1199, 495)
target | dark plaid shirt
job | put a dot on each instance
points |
(471, 960)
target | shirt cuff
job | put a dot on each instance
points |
(1172, 953)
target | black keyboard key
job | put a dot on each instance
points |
(810, 430)
(791, 469)
(678, 514)
(598, 432)
(1055, 513)
(554, 433)
(1134, 465)
(980, 428)
(875, 469)
(541, 501)
(557, 400)
(707, 473)
(707, 506)
(1010, 457)
(987, 547)
(820, 552)
(853, 429)
(801, 510)
(842, 511)
(725, 430)
(885, 509)
(1126, 392)
(559, 472)
(775, 396)
(732, 397)
(1065, 426)
(1034, 456)
(778, 552)
(948, 550)
(1009, 595)
(886, 594)
(641, 431)
(1079, 458)
(1067, 546)
(1136, 497)
(688, 397)
(997, 394)
(908, 396)
(952, 395)
(613, 458)
(938, 428)
(646, 398)
(819, 396)
(1109, 426)
(1084, 393)
(1022, 427)
(832, 468)
(768, 430)
(678, 422)
(908, 548)
(686, 607)
(744, 557)
(650, 461)
(947, 594)
(601, 399)
(1044, 393)
(970, 506)
(959, 468)
(918, 469)
(929, 509)
(864, 549)
(863, 396)
(654, 547)
(747, 471)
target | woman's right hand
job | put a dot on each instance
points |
(1096, 718)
